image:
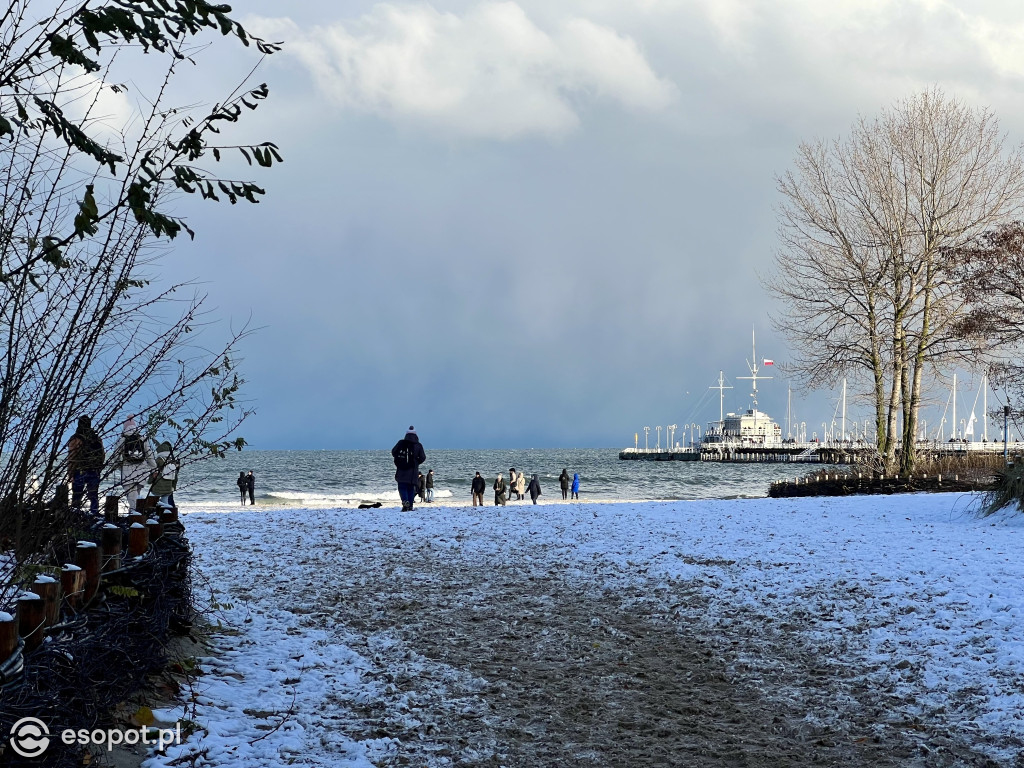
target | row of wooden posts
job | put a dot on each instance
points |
(40, 608)
(845, 476)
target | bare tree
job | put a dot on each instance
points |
(992, 271)
(864, 224)
(83, 224)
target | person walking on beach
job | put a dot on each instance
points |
(250, 486)
(576, 485)
(421, 486)
(85, 463)
(499, 490)
(408, 454)
(512, 482)
(135, 457)
(534, 488)
(478, 487)
(242, 485)
(165, 477)
(430, 485)
(563, 481)
(521, 486)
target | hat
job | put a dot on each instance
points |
(130, 426)
(411, 430)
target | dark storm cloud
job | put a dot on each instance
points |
(557, 255)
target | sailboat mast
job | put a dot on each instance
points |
(984, 405)
(842, 435)
(789, 412)
(954, 406)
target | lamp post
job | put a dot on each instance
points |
(647, 431)
(672, 440)
(658, 430)
(824, 432)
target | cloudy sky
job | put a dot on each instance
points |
(531, 224)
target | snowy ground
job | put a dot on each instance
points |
(869, 631)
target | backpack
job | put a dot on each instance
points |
(92, 451)
(404, 455)
(134, 449)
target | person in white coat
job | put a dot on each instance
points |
(135, 458)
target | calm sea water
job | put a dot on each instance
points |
(337, 478)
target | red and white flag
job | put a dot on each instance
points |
(769, 362)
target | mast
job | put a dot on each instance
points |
(789, 412)
(954, 406)
(842, 434)
(721, 397)
(984, 405)
(753, 366)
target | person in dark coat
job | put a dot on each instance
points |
(408, 454)
(430, 485)
(242, 485)
(421, 486)
(250, 486)
(479, 486)
(85, 463)
(534, 488)
(563, 481)
(575, 485)
(499, 490)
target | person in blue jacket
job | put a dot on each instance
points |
(575, 485)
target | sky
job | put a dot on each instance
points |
(542, 224)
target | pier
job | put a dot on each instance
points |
(812, 453)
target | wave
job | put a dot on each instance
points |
(344, 496)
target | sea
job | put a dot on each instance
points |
(348, 478)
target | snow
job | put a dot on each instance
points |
(915, 593)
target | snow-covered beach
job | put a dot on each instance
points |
(858, 631)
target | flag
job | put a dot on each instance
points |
(769, 362)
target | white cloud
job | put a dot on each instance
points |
(490, 72)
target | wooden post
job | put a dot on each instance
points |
(31, 617)
(111, 538)
(138, 540)
(8, 635)
(136, 517)
(140, 505)
(156, 529)
(48, 588)
(110, 508)
(72, 582)
(88, 557)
